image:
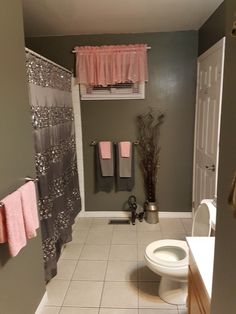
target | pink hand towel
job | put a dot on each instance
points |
(29, 208)
(3, 231)
(105, 149)
(125, 149)
(14, 223)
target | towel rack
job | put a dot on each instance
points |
(93, 143)
(27, 179)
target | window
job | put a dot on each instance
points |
(128, 90)
(112, 72)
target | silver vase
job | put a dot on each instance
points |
(151, 215)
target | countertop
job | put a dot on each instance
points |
(202, 249)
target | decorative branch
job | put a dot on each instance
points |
(149, 135)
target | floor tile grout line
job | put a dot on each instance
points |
(64, 294)
(104, 281)
(178, 309)
(137, 265)
(77, 261)
(72, 277)
(86, 236)
(68, 287)
(69, 280)
(83, 245)
(161, 231)
(98, 230)
(185, 231)
(138, 295)
(87, 230)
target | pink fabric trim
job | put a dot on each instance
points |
(105, 149)
(125, 149)
(29, 207)
(14, 223)
(107, 65)
(3, 231)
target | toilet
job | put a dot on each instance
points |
(169, 258)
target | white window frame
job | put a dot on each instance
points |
(113, 95)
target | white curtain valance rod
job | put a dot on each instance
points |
(43, 58)
(148, 48)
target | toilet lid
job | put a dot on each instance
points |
(169, 253)
(204, 219)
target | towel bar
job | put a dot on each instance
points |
(27, 179)
(93, 143)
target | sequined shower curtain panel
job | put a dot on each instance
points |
(55, 155)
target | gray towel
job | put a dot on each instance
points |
(124, 183)
(104, 184)
(125, 164)
(107, 165)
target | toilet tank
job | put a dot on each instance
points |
(204, 219)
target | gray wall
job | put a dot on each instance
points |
(21, 277)
(212, 30)
(171, 88)
(224, 285)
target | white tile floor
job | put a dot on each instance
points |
(102, 271)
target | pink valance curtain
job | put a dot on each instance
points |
(106, 65)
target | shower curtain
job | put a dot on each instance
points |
(55, 155)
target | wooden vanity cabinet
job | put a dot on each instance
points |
(198, 299)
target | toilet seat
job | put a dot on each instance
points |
(168, 253)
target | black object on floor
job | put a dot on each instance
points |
(136, 210)
(119, 222)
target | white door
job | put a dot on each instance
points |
(207, 123)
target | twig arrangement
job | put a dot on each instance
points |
(148, 135)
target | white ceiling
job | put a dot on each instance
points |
(74, 17)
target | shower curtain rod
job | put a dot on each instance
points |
(74, 51)
(43, 58)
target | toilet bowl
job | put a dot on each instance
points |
(169, 258)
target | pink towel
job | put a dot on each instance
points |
(14, 223)
(3, 231)
(29, 208)
(125, 149)
(105, 149)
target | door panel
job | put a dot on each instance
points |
(207, 123)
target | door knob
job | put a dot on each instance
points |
(211, 168)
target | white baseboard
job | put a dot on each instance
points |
(123, 214)
(40, 308)
(105, 214)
